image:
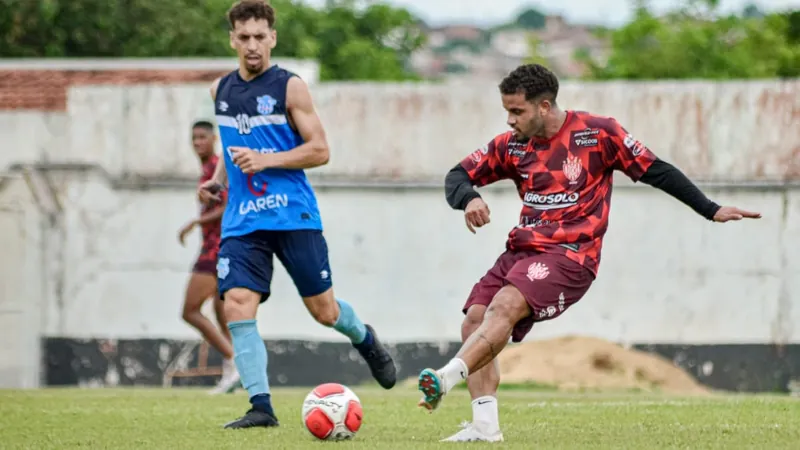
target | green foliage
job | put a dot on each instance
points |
(531, 19)
(350, 42)
(534, 53)
(697, 42)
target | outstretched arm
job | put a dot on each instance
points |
(625, 153)
(670, 179)
(663, 175)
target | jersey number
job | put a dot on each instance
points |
(243, 123)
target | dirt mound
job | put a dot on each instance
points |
(581, 362)
(573, 363)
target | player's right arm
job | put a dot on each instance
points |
(210, 190)
(482, 167)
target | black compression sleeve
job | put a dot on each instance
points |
(458, 188)
(670, 179)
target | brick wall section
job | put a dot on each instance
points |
(46, 90)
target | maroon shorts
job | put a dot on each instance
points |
(551, 283)
(204, 265)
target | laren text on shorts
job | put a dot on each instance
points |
(272, 201)
(551, 201)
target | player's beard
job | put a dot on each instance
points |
(537, 130)
(253, 66)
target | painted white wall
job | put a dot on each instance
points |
(85, 258)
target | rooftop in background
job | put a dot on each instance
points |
(307, 69)
(41, 83)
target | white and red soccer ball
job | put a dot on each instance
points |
(332, 412)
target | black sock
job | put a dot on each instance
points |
(262, 402)
(366, 344)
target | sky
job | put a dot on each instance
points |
(601, 12)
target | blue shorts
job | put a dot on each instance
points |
(246, 261)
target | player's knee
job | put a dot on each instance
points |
(326, 314)
(187, 315)
(472, 320)
(241, 304)
(190, 312)
(508, 305)
(323, 308)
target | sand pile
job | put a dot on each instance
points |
(580, 362)
(572, 363)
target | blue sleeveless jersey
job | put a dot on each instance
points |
(253, 114)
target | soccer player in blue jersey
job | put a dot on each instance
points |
(270, 133)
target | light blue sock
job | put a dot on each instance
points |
(349, 324)
(250, 356)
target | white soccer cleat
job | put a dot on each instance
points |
(230, 380)
(470, 433)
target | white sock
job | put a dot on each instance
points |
(484, 414)
(452, 373)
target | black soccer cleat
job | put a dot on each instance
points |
(253, 418)
(380, 362)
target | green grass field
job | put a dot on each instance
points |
(189, 419)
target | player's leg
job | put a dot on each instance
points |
(219, 313)
(201, 286)
(474, 311)
(244, 271)
(304, 254)
(230, 380)
(541, 287)
(508, 307)
(482, 385)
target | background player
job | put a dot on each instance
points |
(203, 282)
(270, 133)
(562, 164)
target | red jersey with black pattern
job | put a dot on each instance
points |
(564, 183)
(211, 231)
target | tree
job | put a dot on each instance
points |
(372, 43)
(531, 19)
(696, 42)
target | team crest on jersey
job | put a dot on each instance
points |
(266, 104)
(572, 169)
(223, 268)
(538, 271)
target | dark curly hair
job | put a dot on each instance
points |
(533, 80)
(244, 10)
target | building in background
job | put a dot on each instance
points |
(465, 51)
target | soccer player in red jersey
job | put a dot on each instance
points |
(203, 282)
(562, 163)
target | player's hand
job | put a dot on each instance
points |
(476, 214)
(727, 213)
(185, 230)
(249, 161)
(209, 192)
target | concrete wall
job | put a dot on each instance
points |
(91, 251)
(732, 131)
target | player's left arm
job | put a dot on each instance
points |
(210, 216)
(216, 213)
(625, 153)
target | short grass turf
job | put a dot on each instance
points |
(184, 418)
